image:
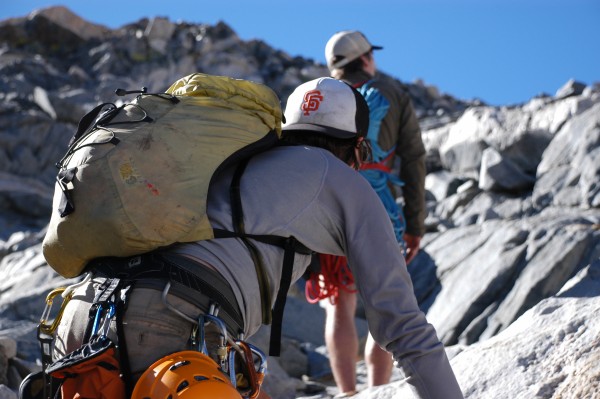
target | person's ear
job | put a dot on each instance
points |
(365, 60)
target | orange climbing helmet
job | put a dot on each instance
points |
(184, 375)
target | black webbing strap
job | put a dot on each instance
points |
(284, 286)
(289, 244)
(237, 215)
(91, 119)
(46, 345)
(122, 342)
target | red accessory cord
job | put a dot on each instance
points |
(334, 275)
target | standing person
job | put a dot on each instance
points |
(394, 132)
(303, 190)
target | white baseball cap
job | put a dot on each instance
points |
(328, 106)
(346, 46)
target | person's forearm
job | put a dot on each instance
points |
(431, 376)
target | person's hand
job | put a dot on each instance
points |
(412, 246)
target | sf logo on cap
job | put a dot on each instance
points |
(312, 100)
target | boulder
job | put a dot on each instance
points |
(569, 171)
(571, 88)
(499, 173)
(550, 351)
(442, 184)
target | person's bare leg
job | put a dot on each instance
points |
(341, 340)
(379, 363)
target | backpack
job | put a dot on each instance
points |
(376, 172)
(135, 177)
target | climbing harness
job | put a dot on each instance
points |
(98, 369)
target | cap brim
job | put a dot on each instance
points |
(330, 131)
(376, 48)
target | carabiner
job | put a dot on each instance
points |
(262, 368)
(110, 313)
(50, 328)
(254, 375)
(203, 320)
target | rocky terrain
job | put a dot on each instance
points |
(509, 273)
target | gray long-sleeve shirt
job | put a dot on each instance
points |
(307, 193)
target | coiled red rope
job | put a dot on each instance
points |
(335, 275)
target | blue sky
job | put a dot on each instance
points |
(501, 51)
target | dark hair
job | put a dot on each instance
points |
(344, 149)
(355, 65)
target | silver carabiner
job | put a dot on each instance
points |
(262, 368)
(203, 320)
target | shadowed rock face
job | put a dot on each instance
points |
(508, 272)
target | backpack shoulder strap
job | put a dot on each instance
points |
(290, 246)
(237, 215)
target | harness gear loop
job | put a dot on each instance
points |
(46, 345)
(172, 308)
(248, 380)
